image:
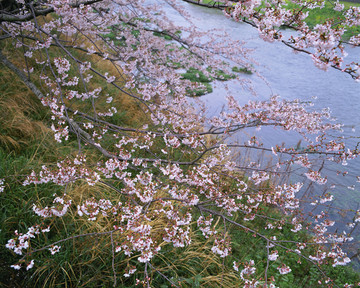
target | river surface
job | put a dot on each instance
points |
(292, 76)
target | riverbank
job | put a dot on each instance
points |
(316, 16)
(144, 187)
(28, 143)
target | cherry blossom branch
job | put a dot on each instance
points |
(22, 76)
(40, 12)
(249, 14)
(177, 161)
(274, 242)
(163, 275)
(67, 239)
(218, 5)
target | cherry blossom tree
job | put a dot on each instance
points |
(324, 43)
(173, 171)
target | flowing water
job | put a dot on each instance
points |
(292, 76)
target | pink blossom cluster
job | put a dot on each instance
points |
(315, 176)
(323, 42)
(22, 241)
(2, 186)
(178, 167)
(221, 247)
(59, 210)
(283, 269)
(67, 171)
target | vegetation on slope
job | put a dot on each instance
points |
(27, 143)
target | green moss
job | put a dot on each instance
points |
(195, 75)
(243, 70)
(223, 76)
(200, 91)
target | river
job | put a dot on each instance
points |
(292, 76)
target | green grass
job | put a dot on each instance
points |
(304, 275)
(319, 16)
(211, 2)
(242, 70)
(87, 262)
(196, 76)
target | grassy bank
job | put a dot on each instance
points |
(27, 143)
(316, 16)
(196, 76)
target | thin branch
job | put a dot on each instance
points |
(113, 258)
(162, 275)
(274, 242)
(22, 76)
(67, 239)
(39, 12)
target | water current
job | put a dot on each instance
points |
(292, 76)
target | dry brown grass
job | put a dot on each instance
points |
(122, 101)
(18, 106)
(20, 124)
(82, 255)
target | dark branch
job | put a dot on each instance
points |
(5, 17)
